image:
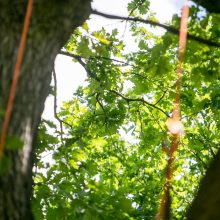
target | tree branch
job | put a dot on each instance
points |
(164, 93)
(93, 58)
(139, 100)
(102, 107)
(79, 59)
(55, 106)
(171, 29)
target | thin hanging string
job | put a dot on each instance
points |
(174, 123)
(15, 78)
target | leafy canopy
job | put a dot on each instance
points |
(110, 163)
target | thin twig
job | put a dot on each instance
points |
(55, 106)
(131, 12)
(139, 100)
(102, 107)
(164, 93)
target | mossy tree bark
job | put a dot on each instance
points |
(52, 22)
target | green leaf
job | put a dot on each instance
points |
(83, 48)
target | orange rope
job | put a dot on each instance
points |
(15, 77)
(164, 207)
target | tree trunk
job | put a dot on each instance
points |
(211, 6)
(207, 202)
(51, 24)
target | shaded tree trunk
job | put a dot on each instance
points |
(51, 24)
(206, 204)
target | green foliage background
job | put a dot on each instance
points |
(110, 163)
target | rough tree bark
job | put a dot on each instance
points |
(51, 24)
